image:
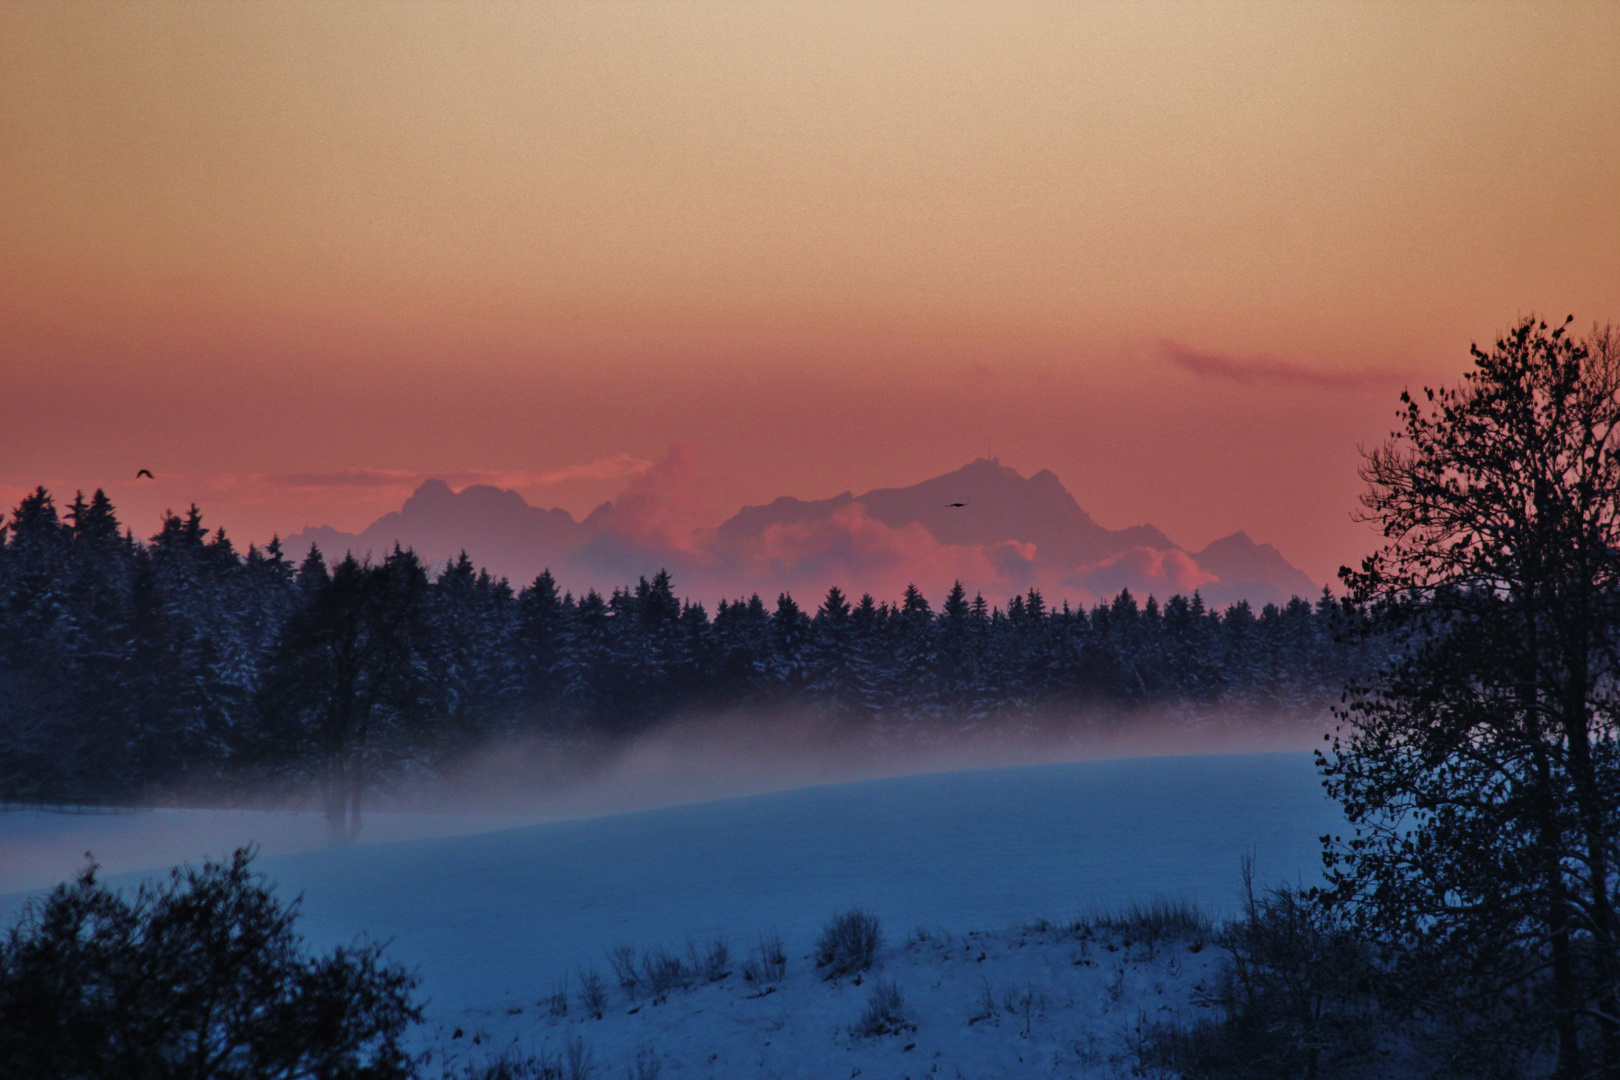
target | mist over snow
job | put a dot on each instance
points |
(690, 759)
(704, 756)
(495, 919)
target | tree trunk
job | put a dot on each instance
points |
(1564, 988)
(341, 794)
(356, 791)
(1589, 805)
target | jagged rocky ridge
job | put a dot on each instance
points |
(1014, 533)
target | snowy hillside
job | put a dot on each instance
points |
(494, 920)
(1072, 1000)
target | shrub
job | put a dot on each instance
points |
(768, 963)
(646, 1065)
(1162, 919)
(593, 993)
(1294, 997)
(512, 1066)
(622, 958)
(1025, 1004)
(579, 1062)
(710, 964)
(989, 1008)
(885, 1012)
(849, 943)
(556, 1002)
(662, 971)
(94, 982)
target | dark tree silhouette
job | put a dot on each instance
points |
(200, 978)
(1481, 768)
(352, 684)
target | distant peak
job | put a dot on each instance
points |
(1238, 539)
(986, 467)
(1046, 478)
(433, 490)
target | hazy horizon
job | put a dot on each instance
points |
(295, 258)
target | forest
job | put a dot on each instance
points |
(140, 671)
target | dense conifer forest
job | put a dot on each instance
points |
(135, 670)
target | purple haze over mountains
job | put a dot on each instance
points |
(1014, 533)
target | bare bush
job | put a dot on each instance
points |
(592, 993)
(1025, 1004)
(622, 958)
(579, 1062)
(662, 971)
(711, 963)
(646, 1066)
(511, 1066)
(885, 1012)
(768, 961)
(849, 943)
(556, 1002)
(1294, 997)
(989, 1008)
(1162, 919)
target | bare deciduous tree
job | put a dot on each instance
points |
(1481, 769)
(352, 684)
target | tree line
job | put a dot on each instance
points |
(130, 669)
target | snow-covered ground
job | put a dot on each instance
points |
(493, 919)
(1036, 1000)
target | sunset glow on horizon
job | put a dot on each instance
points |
(297, 258)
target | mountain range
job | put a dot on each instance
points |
(1009, 534)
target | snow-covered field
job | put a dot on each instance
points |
(1035, 1000)
(494, 919)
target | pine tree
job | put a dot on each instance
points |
(832, 664)
(789, 656)
(540, 633)
(956, 653)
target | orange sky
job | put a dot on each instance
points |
(293, 258)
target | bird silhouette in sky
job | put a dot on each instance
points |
(146, 473)
(955, 505)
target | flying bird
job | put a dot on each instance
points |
(146, 473)
(955, 504)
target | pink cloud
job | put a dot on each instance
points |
(851, 549)
(619, 466)
(1250, 371)
(609, 468)
(1142, 569)
(665, 506)
(337, 478)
